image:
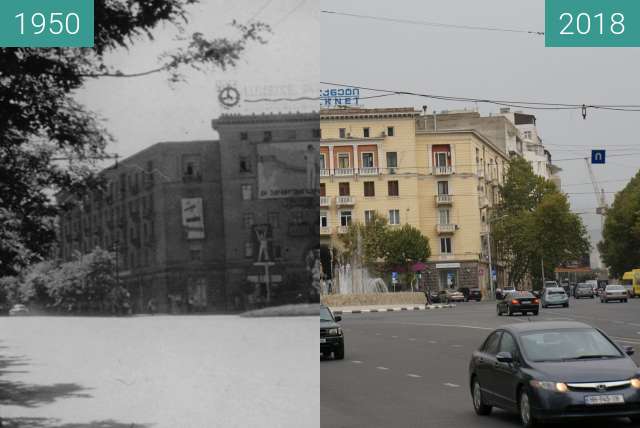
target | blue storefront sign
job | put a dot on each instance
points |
(334, 97)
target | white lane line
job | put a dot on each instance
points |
(626, 339)
(475, 327)
(452, 385)
(634, 324)
(413, 339)
(377, 334)
(394, 337)
(382, 368)
(432, 341)
(618, 322)
(356, 362)
(456, 346)
(415, 376)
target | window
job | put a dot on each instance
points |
(443, 187)
(445, 246)
(324, 221)
(343, 160)
(277, 250)
(244, 136)
(291, 134)
(196, 255)
(245, 164)
(323, 163)
(345, 218)
(191, 166)
(508, 344)
(366, 132)
(367, 160)
(491, 344)
(394, 217)
(296, 216)
(392, 159)
(369, 216)
(343, 189)
(248, 220)
(246, 192)
(316, 133)
(343, 132)
(248, 249)
(441, 158)
(274, 220)
(267, 136)
(369, 189)
(390, 131)
(393, 188)
(444, 216)
(323, 189)
(527, 135)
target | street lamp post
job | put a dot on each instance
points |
(491, 284)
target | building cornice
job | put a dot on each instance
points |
(467, 131)
(235, 119)
(362, 114)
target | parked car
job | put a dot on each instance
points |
(583, 290)
(331, 335)
(471, 293)
(448, 296)
(501, 292)
(555, 296)
(629, 288)
(519, 301)
(615, 292)
(19, 310)
(553, 371)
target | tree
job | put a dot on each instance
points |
(405, 246)
(370, 237)
(40, 120)
(534, 226)
(620, 245)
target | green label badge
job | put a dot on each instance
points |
(46, 23)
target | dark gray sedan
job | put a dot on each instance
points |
(554, 370)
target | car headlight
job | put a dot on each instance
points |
(635, 382)
(550, 386)
(335, 331)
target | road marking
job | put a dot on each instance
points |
(452, 385)
(444, 325)
(413, 339)
(634, 324)
(626, 339)
(618, 322)
(394, 337)
(356, 362)
(382, 368)
(432, 341)
(415, 376)
(456, 346)
(377, 334)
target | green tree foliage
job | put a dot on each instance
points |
(370, 238)
(620, 245)
(405, 246)
(40, 120)
(533, 225)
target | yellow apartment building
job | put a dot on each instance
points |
(442, 182)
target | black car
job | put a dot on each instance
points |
(331, 336)
(471, 293)
(501, 292)
(518, 302)
(554, 370)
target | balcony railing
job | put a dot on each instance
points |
(325, 230)
(325, 201)
(372, 170)
(343, 172)
(345, 200)
(444, 199)
(442, 170)
(445, 228)
(343, 229)
(324, 172)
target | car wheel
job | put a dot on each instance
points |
(499, 311)
(535, 312)
(339, 354)
(509, 313)
(625, 300)
(566, 305)
(478, 403)
(635, 420)
(524, 407)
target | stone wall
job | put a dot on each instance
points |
(335, 300)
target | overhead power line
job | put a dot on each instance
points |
(433, 24)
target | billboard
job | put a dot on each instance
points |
(288, 170)
(192, 218)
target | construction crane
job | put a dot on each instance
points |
(598, 192)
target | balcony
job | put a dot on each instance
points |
(324, 172)
(192, 178)
(483, 201)
(480, 171)
(345, 200)
(325, 201)
(446, 228)
(442, 170)
(342, 229)
(343, 172)
(325, 230)
(374, 170)
(444, 199)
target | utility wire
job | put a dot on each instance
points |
(431, 23)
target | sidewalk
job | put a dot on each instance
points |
(386, 308)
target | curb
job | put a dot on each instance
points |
(397, 309)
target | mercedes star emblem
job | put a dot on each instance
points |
(229, 96)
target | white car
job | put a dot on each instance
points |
(614, 292)
(19, 310)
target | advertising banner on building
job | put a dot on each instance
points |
(192, 218)
(288, 170)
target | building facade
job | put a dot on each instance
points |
(441, 181)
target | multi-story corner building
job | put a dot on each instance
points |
(209, 225)
(440, 181)
(159, 214)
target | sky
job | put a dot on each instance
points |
(497, 65)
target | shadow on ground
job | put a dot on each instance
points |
(55, 423)
(511, 418)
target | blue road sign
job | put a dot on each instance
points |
(493, 274)
(394, 276)
(597, 156)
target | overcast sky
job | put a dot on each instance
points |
(496, 65)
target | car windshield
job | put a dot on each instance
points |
(567, 344)
(325, 315)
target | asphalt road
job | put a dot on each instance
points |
(409, 369)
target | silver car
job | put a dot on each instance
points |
(583, 290)
(19, 310)
(555, 296)
(614, 292)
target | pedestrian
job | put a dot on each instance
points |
(151, 306)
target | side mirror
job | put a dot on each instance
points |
(504, 357)
(629, 350)
(338, 318)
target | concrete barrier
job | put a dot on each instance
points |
(404, 298)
